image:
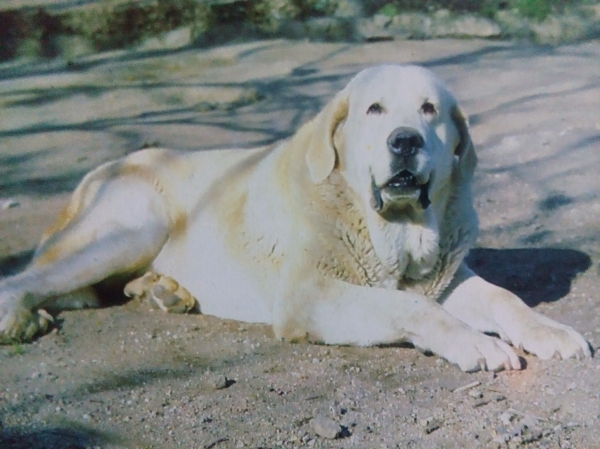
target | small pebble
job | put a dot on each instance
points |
(431, 425)
(218, 381)
(426, 421)
(475, 394)
(326, 427)
(506, 418)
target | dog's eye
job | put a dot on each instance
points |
(375, 108)
(428, 108)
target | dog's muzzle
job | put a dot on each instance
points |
(405, 185)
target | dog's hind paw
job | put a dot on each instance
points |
(163, 292)
(20, 324)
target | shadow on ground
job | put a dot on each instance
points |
(535, 275)
(14, 263)
(286, 102)
(62, 436)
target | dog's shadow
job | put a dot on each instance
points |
(534, 274)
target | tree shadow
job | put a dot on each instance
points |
(14, 263)
(287, 103)
(61, 436)
(535, 275)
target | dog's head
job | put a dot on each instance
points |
(397, 136)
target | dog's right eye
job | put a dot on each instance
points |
(375, 108)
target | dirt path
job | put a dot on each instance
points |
(126, 377)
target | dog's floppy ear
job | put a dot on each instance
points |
(321, 154)
(464, 151)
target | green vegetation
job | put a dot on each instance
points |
(533, 9)
(101, 25)
(17, 349)
(390, 10)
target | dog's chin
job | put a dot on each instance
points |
(400, 196)
(402, 190)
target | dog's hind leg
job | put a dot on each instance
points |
(113, 225)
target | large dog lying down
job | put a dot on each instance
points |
(353, 231)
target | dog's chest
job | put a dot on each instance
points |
(351, 247)
(350, 252)
(413, 258)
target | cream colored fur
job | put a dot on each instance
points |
(303, 235)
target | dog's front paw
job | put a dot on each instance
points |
(546, 338)
(19, 324)
(163, 292)
(473, 351)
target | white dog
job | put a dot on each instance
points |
(353, 231)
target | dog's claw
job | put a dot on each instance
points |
(23, 325)
(482, 365)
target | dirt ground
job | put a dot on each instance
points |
(126, 377)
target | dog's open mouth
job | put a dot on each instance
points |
(403, 186)
(403, 180)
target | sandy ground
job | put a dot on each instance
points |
(124, 376)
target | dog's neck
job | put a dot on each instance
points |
(407, 241)
(371, 250)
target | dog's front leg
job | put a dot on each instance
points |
(336, 312)
(489, 308)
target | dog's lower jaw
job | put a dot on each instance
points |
(382, 201)
(384, 198)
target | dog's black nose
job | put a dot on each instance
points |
(405, 141)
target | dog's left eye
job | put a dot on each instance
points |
(375, 108)
(428, 108)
